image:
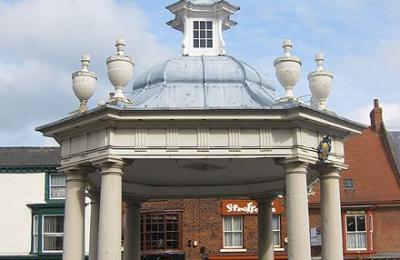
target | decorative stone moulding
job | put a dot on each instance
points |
(83, 84)
(320, 83)
(288, 69)
(120, 72)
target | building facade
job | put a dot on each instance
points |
(370, 193)
(32, 203)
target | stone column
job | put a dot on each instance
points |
(94, 226)
(109, 244)
(265, 229)
(132, 232)
(297, 211)
(74, 216)
(331, 220)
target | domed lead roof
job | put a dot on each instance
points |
(203, 82)
(204, 2)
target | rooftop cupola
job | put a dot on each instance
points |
(202, 23)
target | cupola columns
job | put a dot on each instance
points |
(202, 24)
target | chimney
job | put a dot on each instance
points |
(376, 117)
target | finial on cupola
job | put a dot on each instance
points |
(320, 83)
(120, 72)
(287, 69)
(83, 84)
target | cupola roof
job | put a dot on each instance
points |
(203, 82)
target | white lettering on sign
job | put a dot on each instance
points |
(250, 208)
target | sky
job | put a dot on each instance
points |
(41, 42)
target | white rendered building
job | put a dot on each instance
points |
(32, 203)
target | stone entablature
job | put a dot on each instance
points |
(202, 134)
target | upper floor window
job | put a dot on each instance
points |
(348, 184)
(233, 232)
(276, 229)
(202, 34)
(356, 231)
(56, 186)
(160, 231)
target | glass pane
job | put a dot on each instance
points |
(275, 222)
(360, 223)
(237, 223)
(57, 192)
(228, 223)
(202, 43)
(202, 34)
(351, 223)
(237, 239)
(196, 34)
(196, 43)
(209, 34)
(196, 25)
(209, 25)
(56, 179)
(53, 224)
(35, 224)
(35, 243)
(276, 238)
(351, 241)
(228, 239)
(52, 243)
(361, 240)
(202, 25)
(209, 43)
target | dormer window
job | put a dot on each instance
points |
(202, 34)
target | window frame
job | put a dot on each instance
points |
(35, 225)
(233, 231)
(368, 214)
(49, 187)
(345, 182)
(143, 231)
(206, 38)
(40, 210)
(43, 234)
(278, 230)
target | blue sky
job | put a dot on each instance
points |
(42, 41)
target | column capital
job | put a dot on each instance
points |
(112, 166)
(76, 173)
(293, 166)
(328, 171)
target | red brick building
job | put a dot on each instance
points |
(217, 229)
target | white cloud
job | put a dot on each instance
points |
(42, 42)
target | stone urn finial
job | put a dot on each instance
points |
(287, 70)
(120, 72)
(83, 84)
(320, 82)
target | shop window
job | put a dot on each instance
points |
(52, 233)
(356, 231)
(276, 229)
(160, 231)
(202, 34)
(233, 232)
(56, 186)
